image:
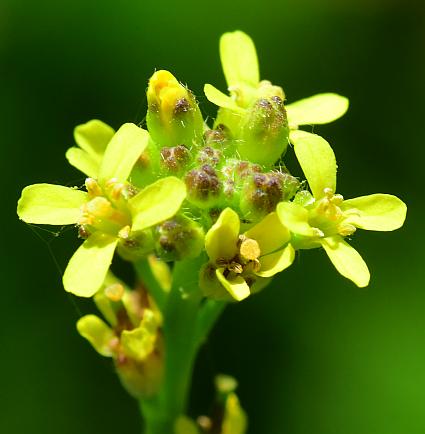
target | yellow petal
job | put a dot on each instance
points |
(237, 287)
(269, 233)
(221, 240)
(346, 260)
(376, 212)
(276, 262)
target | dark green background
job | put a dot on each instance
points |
(313, 353)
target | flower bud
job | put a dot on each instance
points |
(220, 138)
(179, 238)
(203, 186)
(147, 167)
(235, 173)
(173, 116)
(263, 191)
(134, 246)
(209, 155)
(263, 133)
(175, 159)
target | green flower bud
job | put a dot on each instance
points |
(179, 238)
(263, 134)
(147, 167)
(220, 138)
(133, 246)
(175, 159)
(263, 191)
(234, 174)
(203, 187)
(209, 155)
(173, 116)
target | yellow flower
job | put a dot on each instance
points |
(241, 263)
(325, 218)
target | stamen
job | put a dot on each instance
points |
(249, 249)
(93, 187)
(114, 292)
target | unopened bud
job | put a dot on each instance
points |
(179, 238)
(210, 156)
(173, 116)
(203, 186)
(134, 246)
(175, 159)
(263, 191)
(263, 134)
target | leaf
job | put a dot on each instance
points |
(87, 268)
(376, 212)
(220, 99)
(239, 59)
(276, 262)
(97, 332)
(236, 287)
(157, 202)
(50, 204)
(93, 137)
(317, 160)
(221, 239)
(122, 152)
(317, 109)
(346, 260)
(270, 233)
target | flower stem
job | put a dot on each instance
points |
(181, 336)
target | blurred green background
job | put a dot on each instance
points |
(313, 353)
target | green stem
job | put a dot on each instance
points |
(146, 275)
(181, 346)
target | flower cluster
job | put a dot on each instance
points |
(181, 189)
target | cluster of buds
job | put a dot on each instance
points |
(132, 335)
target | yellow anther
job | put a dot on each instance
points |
(249, 249)
(337, 199)
(93, 187)
(114, 292)
(124, 233)
(346, 229)
(328, 192)
(116, 191)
